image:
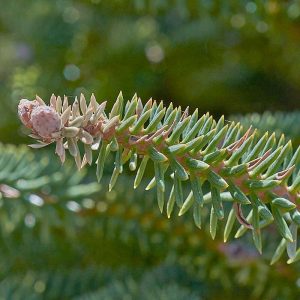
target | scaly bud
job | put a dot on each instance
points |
(25, 109)
(45, 121)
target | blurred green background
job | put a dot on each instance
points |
(225, 57)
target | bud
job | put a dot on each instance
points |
(45, 121)
(25, 109)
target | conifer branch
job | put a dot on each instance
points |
(257, 174)
(38, 180)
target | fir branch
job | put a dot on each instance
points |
(36, 179)
(118, 220)
(240, 166)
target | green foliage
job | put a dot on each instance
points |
(37, 180)
(164, 282)
(221, 57)
(161, 283)
(258, 174)
(89, 237)
(278, 122)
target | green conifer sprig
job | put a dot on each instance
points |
(256, 173)
(36, 179)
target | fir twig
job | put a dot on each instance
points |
(241, 166)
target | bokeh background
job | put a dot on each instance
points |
(62, 235)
